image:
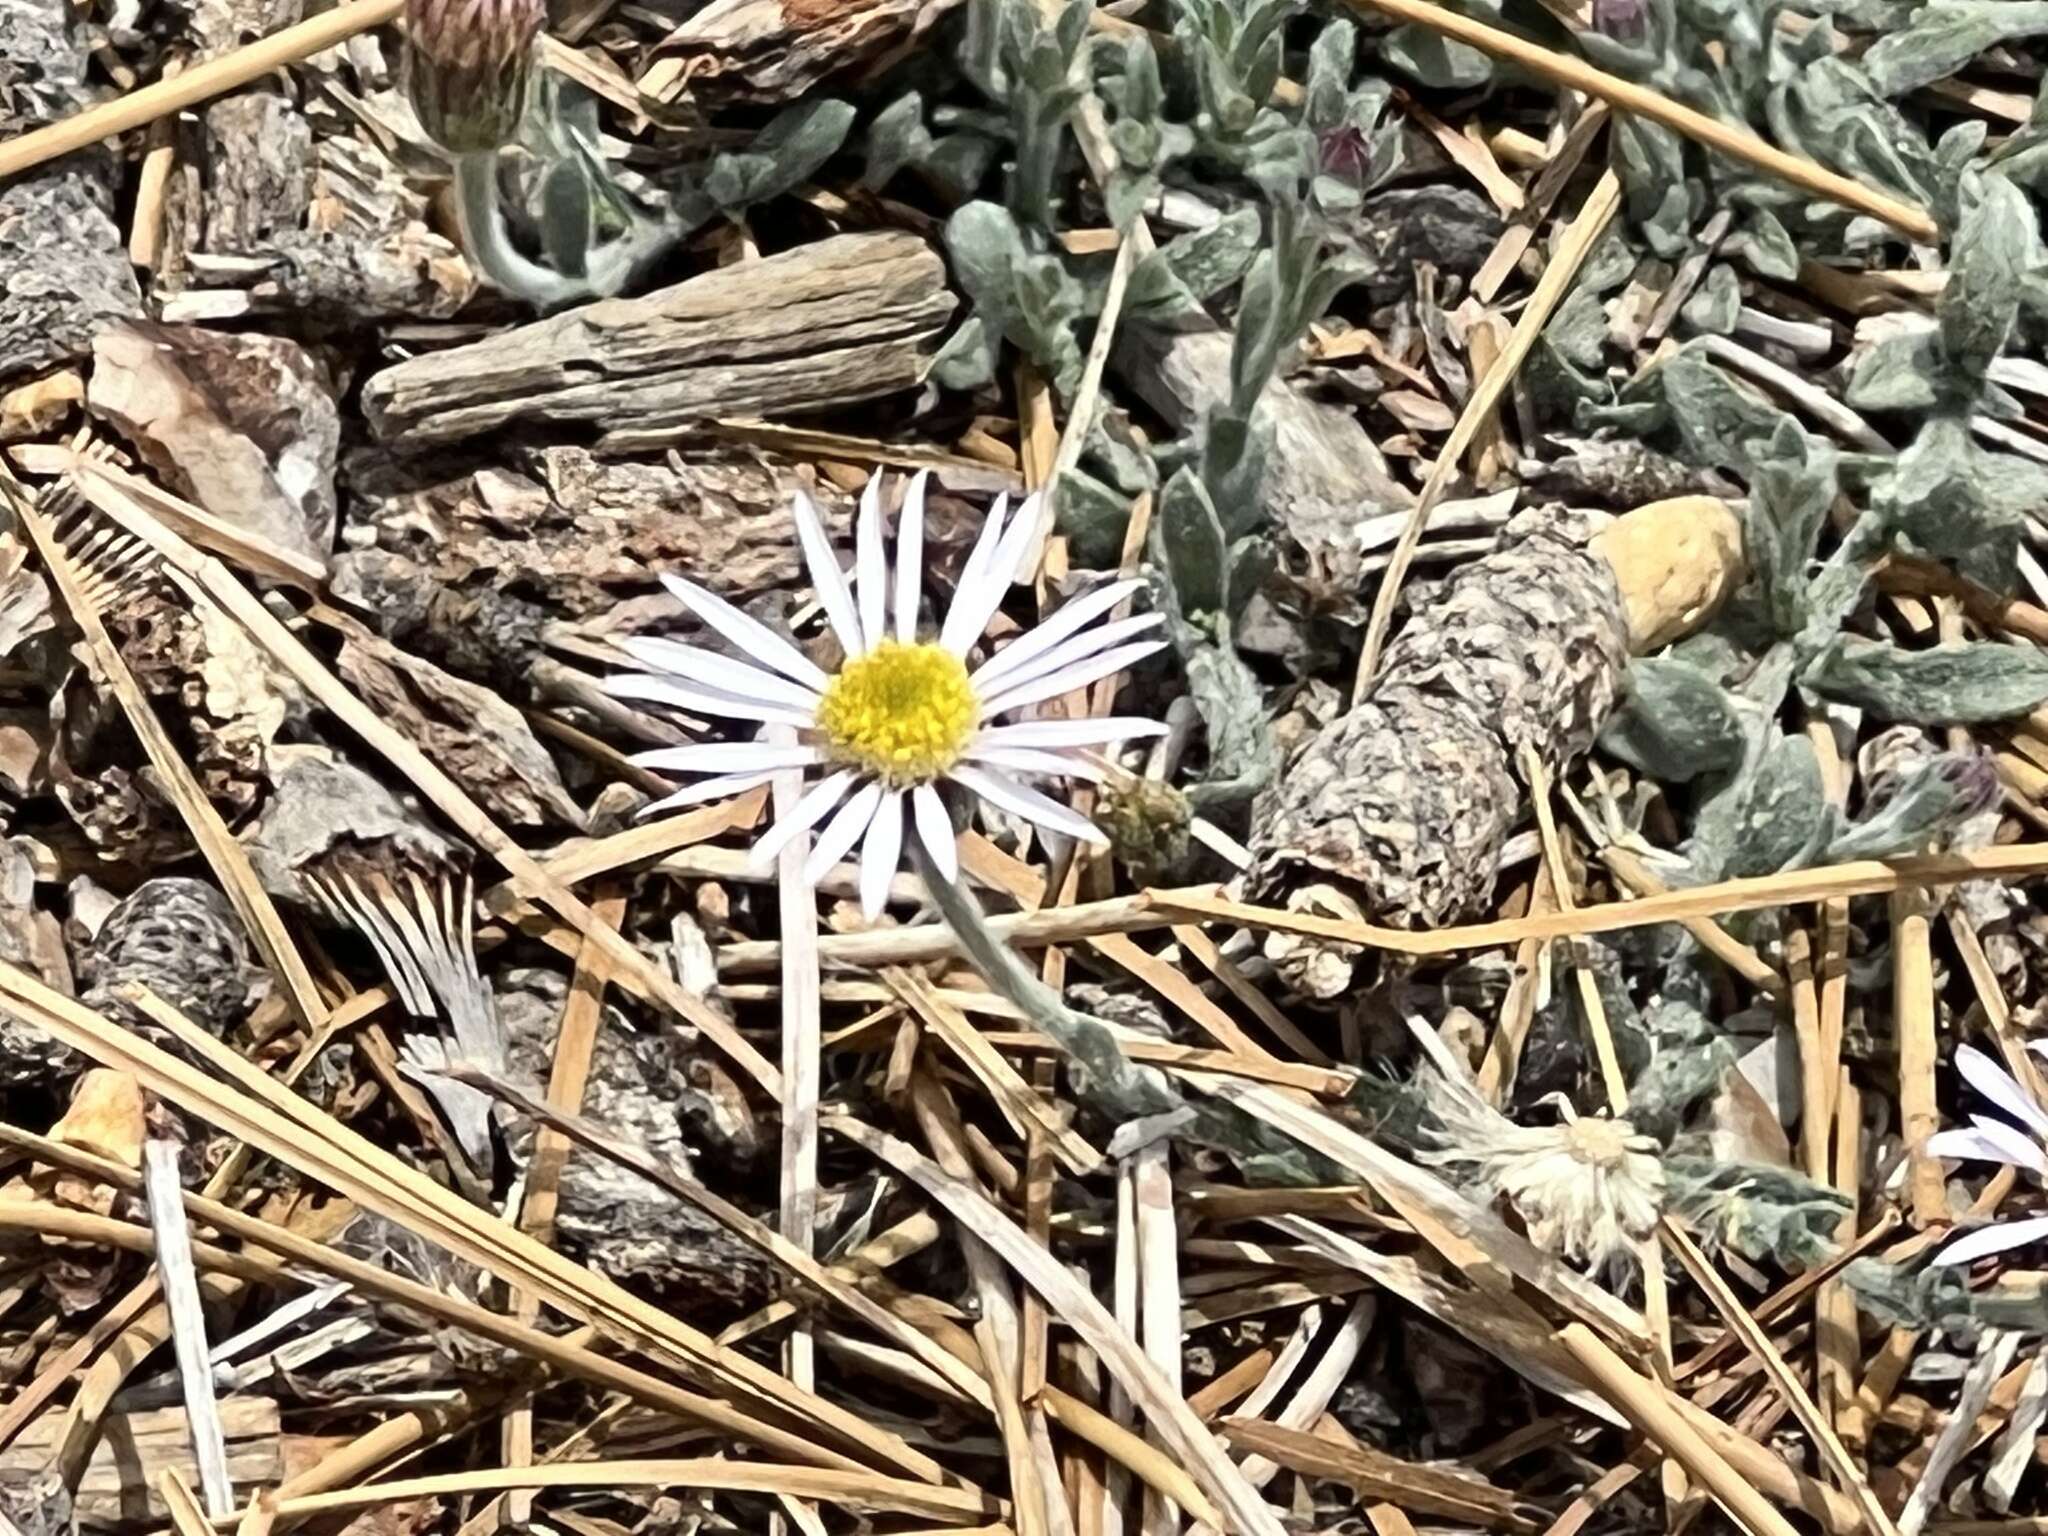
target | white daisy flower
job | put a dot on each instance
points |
(1991, 1140)
(904, 712)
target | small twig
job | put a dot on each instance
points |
(1580, 236)
(180, 1280)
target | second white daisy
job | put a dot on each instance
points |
(903, 712)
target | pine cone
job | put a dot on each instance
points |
(182, 940)
(1407, 798)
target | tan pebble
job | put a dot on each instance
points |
(1675, 561)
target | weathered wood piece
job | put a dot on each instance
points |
(844, 319)
(770, 50)
(120, 1486)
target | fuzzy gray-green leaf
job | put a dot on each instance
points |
(1967, 683)
(1191, 545)
(1944, 37)
(1993, 249)
(1674, 723)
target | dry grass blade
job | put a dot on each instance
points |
(1643, 1403)
(180, 1284)
(1580, 236)
(223, 852)
(1825, 882)
(1167, 1411)
(1375, 1475)
(857, 1490)
(269, 1117)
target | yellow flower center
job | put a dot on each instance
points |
(902, 712)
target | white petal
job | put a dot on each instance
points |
(1066, 680)
(1967, 1145)
(728, 757)
(2001, 1088)
(724, 673)
(704, 701)
(826, 575)
(842, 831)
(935, 830)
(2013, 1146)
(1094, 732)
(1076, 648)
(1993, 1239)
(1036, 642)
(748, 633)
(1035, 760)
(709, 789)
(958, 633)
(910, 557)
(1004, 792)
(1017, 542)
(972, 610)
(801, 817)
(871, 569)
(880, 854)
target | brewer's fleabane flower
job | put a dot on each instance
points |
(906, 710)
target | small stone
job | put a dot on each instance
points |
(1675, 562)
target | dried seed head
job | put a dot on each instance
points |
(468, 63)
(1588, 1189)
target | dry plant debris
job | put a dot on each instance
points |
(1044, 767)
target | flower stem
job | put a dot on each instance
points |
(1085, 1038)
(483, 232)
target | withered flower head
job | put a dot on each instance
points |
(1588, 1189)
(468, 64)
(1623, 20)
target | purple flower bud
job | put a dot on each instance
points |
(1345, 153)
(1974, 777)
(468, 63)
(1623, 20)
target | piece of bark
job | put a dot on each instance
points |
(319, 800)
(121, 1482)
(841, 320)
(1617, 473)
(333, 224)
(614, 1220)
(35, 1502)
(1325, 476)
(65, 260)
(245, 425)
(777, 50)
(476, 737)
(469, 572)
